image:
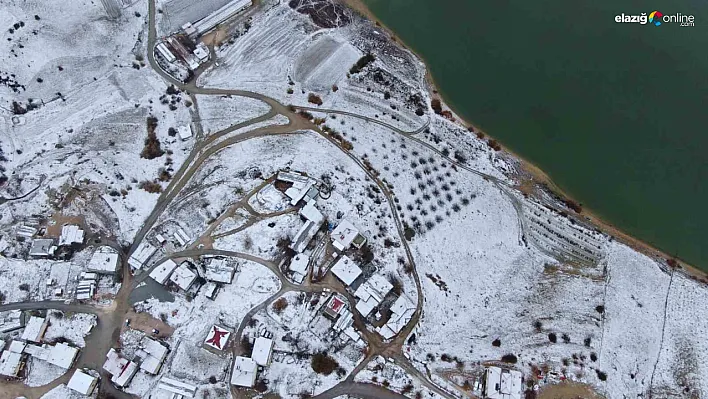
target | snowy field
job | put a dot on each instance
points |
(217, 113)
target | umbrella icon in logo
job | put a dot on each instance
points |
(655, 17)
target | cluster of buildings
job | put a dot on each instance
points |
(13, 358)
(46, 247)
(149, 358)
(245, 369)
(184, 48)
(169, 272)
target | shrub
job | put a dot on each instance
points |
(323, 364)
(24, 287)
(601, 375)
(593, 356)
(314, 99)
(493, 144)
(496, 343)
(509, 358)
(552, 337)
(150, 186)
(600, 309)
(362, 63)
(152, 148)
(587, 341)
(566, 338)
(436, 105)
(280, 305)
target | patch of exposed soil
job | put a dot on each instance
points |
(324, 13)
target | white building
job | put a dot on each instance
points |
(163, 271)
(502, 384)
(71, 234)
(185, 133)
(301, 189)
(345, 235)
(244, 372)
(42, 248)
(222, 14)
(165, 52)
(346, 270)
(299, 265)
(104, 261)
(61, 354)
(121, 369)
(262, 351)
(183, 277)
(35, 329)
(220, 270)
(141, 255)
(153, 354)
(189, 29)
(178, 388)
(402, 312)
(10, 363)
(371, 293)
(10, 320)
(210, 289)
(82, 383)
(201, 52)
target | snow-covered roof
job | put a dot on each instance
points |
(210, 290)
(10, 320)
(343, 235)
(220, 271)
(141, 254)
(62, 355)
(10, 363)
(71, 234)
(82, 383)
(502, 384)
(177, 387)
(375, 287)
(346, 270)
(185, 133)
(162, 272)
(201, 52)
(217, 337)
(17, 346)
(104, 260)
(155, 354)
(42, 247)
(292, 177)
(121, 369)
(401, 313)
(262, 351)
(180, 235)
(244, 372)
(183, 277)
(310, 212)
(34, 329)
(346, 319)
(299, 264)
(222, 14)
(304, 235)
(366, 306)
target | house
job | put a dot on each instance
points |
(104, 261)
(163, 271)
(35, 329)
(189, 29)
(502, 384)
(153, 354)
(210, 290)
(82, 383)
(178, 388)
(141, 255)
(42, 248)
(201, 52)
(334, 307)
(313, 221)
(220, 271)
(87, 286)
(25, 231)
(61, 354)
(185, 133)
(183, 277)
(301, 186)
(402, 312)
(10, 320)
(179, 235)
(262, 351)
(299, 265)
(345, 320)
(345, 235)
(244, 372)
(71, 234)
(217, 338)
(346, 270)
(121, 369)
(10, 363)
(371, 293)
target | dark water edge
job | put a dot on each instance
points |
(613, 113)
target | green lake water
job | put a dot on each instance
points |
(616, 114)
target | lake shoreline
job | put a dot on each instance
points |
(540, 178)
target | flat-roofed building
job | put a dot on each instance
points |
(183, 277)
(262, 351)
(82, 382)
(244, 372)
(163, 271)
(345, 235)
(71, 234)
(35, 329)
(346, 270)
(105, 260)
(141, 255)
(502, 384)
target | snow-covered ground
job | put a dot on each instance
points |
(72, 327)
(220, 112)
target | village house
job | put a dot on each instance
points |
(35, 329)
(163, 271)
(220, 271)
(371, 293)
(262, 351)
(179, 389)
(244, 372)
(82, 383)
(183, 277)
(71, 234)
(105, 260)
(346, 270)
(153, 354)
(121, 369)
(502, 384)
(346, 235)
(141, 255)
(42, 248)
